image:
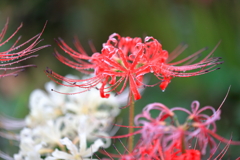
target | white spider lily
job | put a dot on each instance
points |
(58, 120)
(74, 153)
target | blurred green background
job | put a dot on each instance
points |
(199, 23)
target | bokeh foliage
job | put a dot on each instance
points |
(199, 23)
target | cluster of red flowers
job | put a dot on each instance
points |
(12, 56)
(124, 59)
(165, 138)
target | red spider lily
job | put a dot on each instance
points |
(165, 138)
(126, 59)
(174, 153)
(12, 56)
(154, 151)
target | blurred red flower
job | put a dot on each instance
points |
(163, 137)
(12, 56)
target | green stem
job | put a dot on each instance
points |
(183, 145)
(131, 123)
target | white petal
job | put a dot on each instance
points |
(83, 142)
(33, 156)
(93, 148)
(50, 158)
(17, 157)
(62, 155)
(70, 146)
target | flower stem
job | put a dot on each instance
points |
(183, 148)
(131, 124)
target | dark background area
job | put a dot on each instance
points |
(199, 23)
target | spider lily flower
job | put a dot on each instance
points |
(164, 137)
(125, 60)
(13, 56)
(56, 123)
(173, 153)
